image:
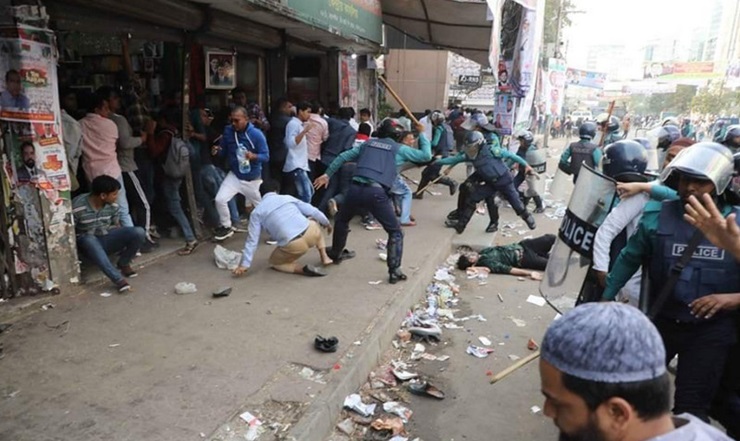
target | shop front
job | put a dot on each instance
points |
(183, 55)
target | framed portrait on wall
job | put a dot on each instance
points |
(220, 69)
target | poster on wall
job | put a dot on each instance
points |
(525, 57)
(220, 70)
(348, 81)
(585, 78)
(503, 113)
(554, 83)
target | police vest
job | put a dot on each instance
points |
(711, 269)
(443, 146)
(488, 166)
(377, 161)
(612, 137)
(581, 152)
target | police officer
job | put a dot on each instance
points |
(440, 149)
(581, 151)
(687, 129)
(667, 135)
(373, 179)
(537, 160)
(491, 175)
(702, 344)
(609, 126)
(731, 138)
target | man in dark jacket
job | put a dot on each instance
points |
(341, 137)
(279, 119)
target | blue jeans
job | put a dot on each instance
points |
(127, 240)
(171, 188)
(122, 202)
(302, 184)
(211, 178)
(401, 188)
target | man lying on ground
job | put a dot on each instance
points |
(517, 259)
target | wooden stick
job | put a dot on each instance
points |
(441, 175)
(514, 367)
(398, 98)
(609, 116)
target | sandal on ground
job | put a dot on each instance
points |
(326, 344)
(312, 271)
(189, 248)
(425, 389)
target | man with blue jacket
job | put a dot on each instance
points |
(245, 149)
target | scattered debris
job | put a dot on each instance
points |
(375, 282)
(114, 345)
(403, 335)
(425, 389)
(518, 322)
(225, 258)
(105, 294)
(383, 257)
(354, 402)
(536, 300)
(224, 291)
(532, 345)
(47, 306)
(535, 409)
(309, 374)
(419, 348)
(393, 424)
(404, 375)
(513, 357)
(484, 341)
(501, 299)
(398, 409)
(346, 426)
(255, 426)
(185, 288)
(479, 352)
(381, 244)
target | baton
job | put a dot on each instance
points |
(441, 175)
(514, 367)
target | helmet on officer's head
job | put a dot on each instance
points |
(391, 128)
(525, 136)
(609, 123)
(706, 160)
(670, 121)
(643, 142)
(732, 137)
(474, 141)
(437, 117)
(587, 130)
(625, 161)
(667, 135)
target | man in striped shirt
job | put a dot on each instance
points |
(99, 232)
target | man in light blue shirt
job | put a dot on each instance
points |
(285, 219)
(296, 164)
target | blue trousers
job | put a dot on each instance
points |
(375, 199)
(171, 188)
(302, 184)
(403, 191)
(127, 240)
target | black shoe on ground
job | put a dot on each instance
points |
(223, 233)
(127, 271)
(539, 210)
(459, 228)
(492, 228)
(453, 187)
(529, 219)
(451, 223)
(418, 195)
(452, 215)
(396, 276)
(312, 271)
(338, 258)
(123, 286)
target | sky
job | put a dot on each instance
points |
(629, 22)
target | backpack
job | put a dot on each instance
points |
(177, 159)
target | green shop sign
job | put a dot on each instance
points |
(356, 17)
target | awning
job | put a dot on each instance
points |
(460, 26)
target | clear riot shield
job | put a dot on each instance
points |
(570, 259)
(537, 159)
(560, 186)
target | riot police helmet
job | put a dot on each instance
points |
(609, 122)
(705, 160)
(437, 117)
(667, 135)
(732, 137)
(525, 136)
(587, 130)
(670, 121)
(625, 161)
(643, 142)
(391, 128)
(474, 140)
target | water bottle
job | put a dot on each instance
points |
(241, 156)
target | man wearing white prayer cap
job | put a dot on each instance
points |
(604, 379)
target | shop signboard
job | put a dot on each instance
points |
(468, 80)
(363, 18)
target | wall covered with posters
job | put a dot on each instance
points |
(347, 81)
(36, 185)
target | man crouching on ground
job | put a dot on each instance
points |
(286, 220)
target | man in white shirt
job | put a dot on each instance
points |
(296, 140)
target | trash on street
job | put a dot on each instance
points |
(479, 352)
(354, 402)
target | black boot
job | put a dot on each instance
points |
(451, 183)
(395, 276)
(451, 223)
(529, 219)
(452, 215)
(539, 206)
(492, 227)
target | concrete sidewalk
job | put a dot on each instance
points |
(154, 365)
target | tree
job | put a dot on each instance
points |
(551, 18)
